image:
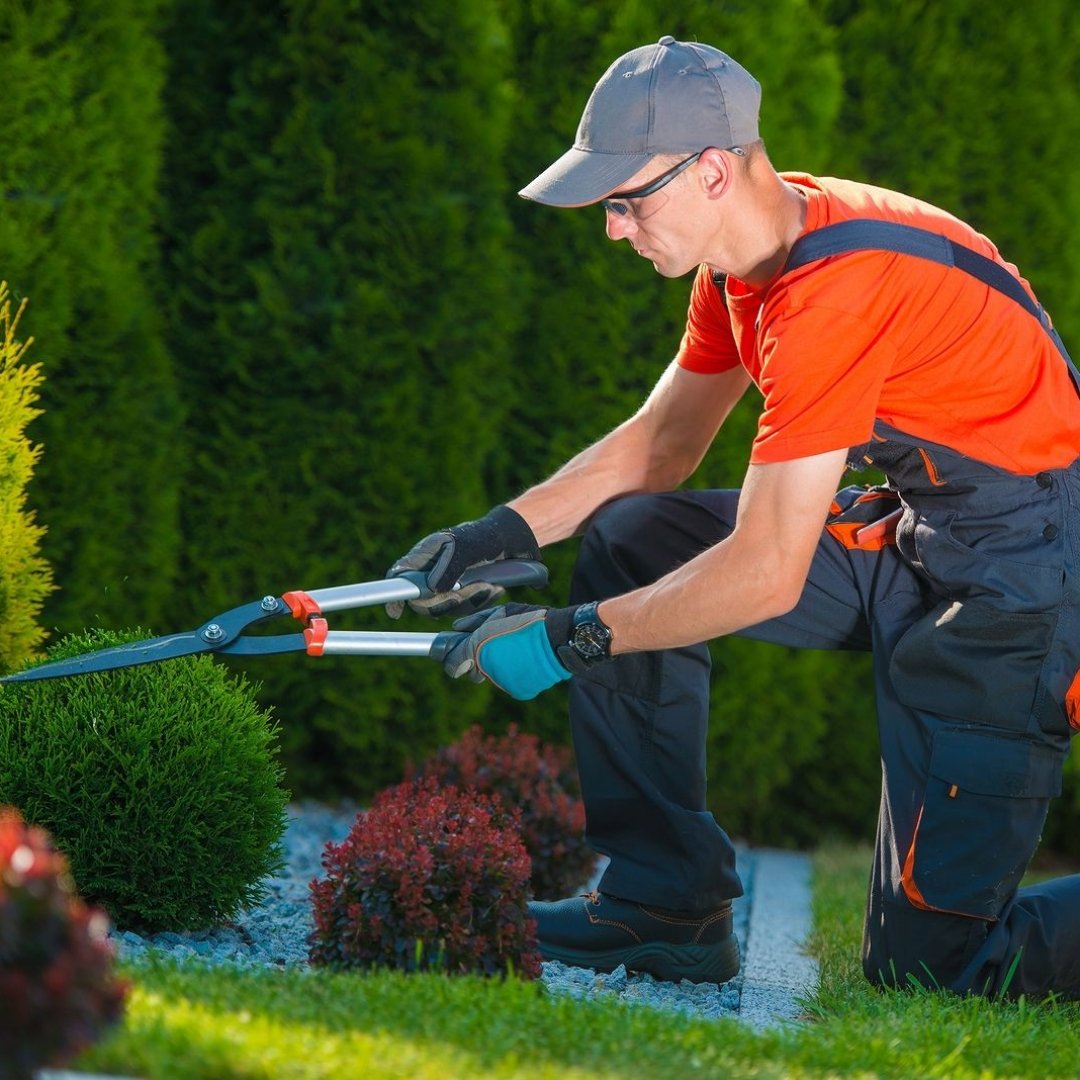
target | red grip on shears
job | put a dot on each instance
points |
(301, 605)
(315, 636)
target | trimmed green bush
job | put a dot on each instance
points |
(160, 783)
(25, 577)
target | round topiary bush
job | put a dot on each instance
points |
(57, 990)
(542, 783)
(428, 878)
(160, 784)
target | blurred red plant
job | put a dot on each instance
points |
(57, 990)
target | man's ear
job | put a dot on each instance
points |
(715, 171)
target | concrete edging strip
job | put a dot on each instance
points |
(776, 970)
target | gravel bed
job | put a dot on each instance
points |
(274, 934)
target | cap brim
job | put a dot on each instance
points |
(581, 177)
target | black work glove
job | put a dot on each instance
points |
(445, 555)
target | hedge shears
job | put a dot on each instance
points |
(225, 633)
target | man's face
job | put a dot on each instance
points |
(652, 212)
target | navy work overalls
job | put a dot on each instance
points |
(964, 581)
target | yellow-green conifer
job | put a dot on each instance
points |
(25, 577)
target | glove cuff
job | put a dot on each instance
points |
(561, 625)
(557, 623)
(518, 539)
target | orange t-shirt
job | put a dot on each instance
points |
(870, 335)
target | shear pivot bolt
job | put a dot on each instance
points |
(269, 603)
(213, 632)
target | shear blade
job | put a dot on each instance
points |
(118, 656)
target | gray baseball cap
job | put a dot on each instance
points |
(674, 97)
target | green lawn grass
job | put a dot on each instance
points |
(225, 1023)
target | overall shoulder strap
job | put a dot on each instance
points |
(862, 234)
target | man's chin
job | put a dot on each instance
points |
(670, 270)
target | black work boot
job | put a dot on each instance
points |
(601, 932)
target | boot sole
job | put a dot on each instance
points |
(715, 963)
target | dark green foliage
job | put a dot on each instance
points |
(58, 993)
(79, 157)
(340, 296)
(160, 783)
(25, 577)
(295, 224)
(980, 115)
(429, 877)
(541, 783)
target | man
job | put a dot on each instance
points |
(960, 575)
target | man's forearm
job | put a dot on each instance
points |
(559, 507)
(757, 573)
(718, 592)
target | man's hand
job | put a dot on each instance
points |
(445, 555)
(520, 648)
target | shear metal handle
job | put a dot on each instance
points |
(383, 643)
(413, 586)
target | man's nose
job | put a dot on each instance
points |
(619, 226)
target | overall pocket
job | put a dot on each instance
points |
(969, 660)
(983, 811)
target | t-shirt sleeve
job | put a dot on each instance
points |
(708, 345)
(821, 383)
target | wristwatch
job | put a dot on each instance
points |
(590, 638)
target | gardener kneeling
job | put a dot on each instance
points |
(923, 354)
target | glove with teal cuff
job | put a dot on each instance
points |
(522, 649)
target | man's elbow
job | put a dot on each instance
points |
(666, 471)
(780, 594)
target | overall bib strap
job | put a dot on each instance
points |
(863, 234)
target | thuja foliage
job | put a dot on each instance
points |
(298, 223)
(541, 782)
(58, 993)
(160, 783)
(25, 577)
(428, 878)
(340, 292)
(80, 152)
(949, 135)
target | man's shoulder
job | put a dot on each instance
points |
(834, 199)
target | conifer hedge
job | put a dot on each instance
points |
(340, 283)
(979, 115)
(79, 155)
(293, 314)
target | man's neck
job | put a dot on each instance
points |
(779, 218)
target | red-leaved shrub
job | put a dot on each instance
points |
(57, 992)
(428, 878)
(541, 781)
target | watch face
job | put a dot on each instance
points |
(591, 640)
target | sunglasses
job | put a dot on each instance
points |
(621, 208)
(649, 189)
